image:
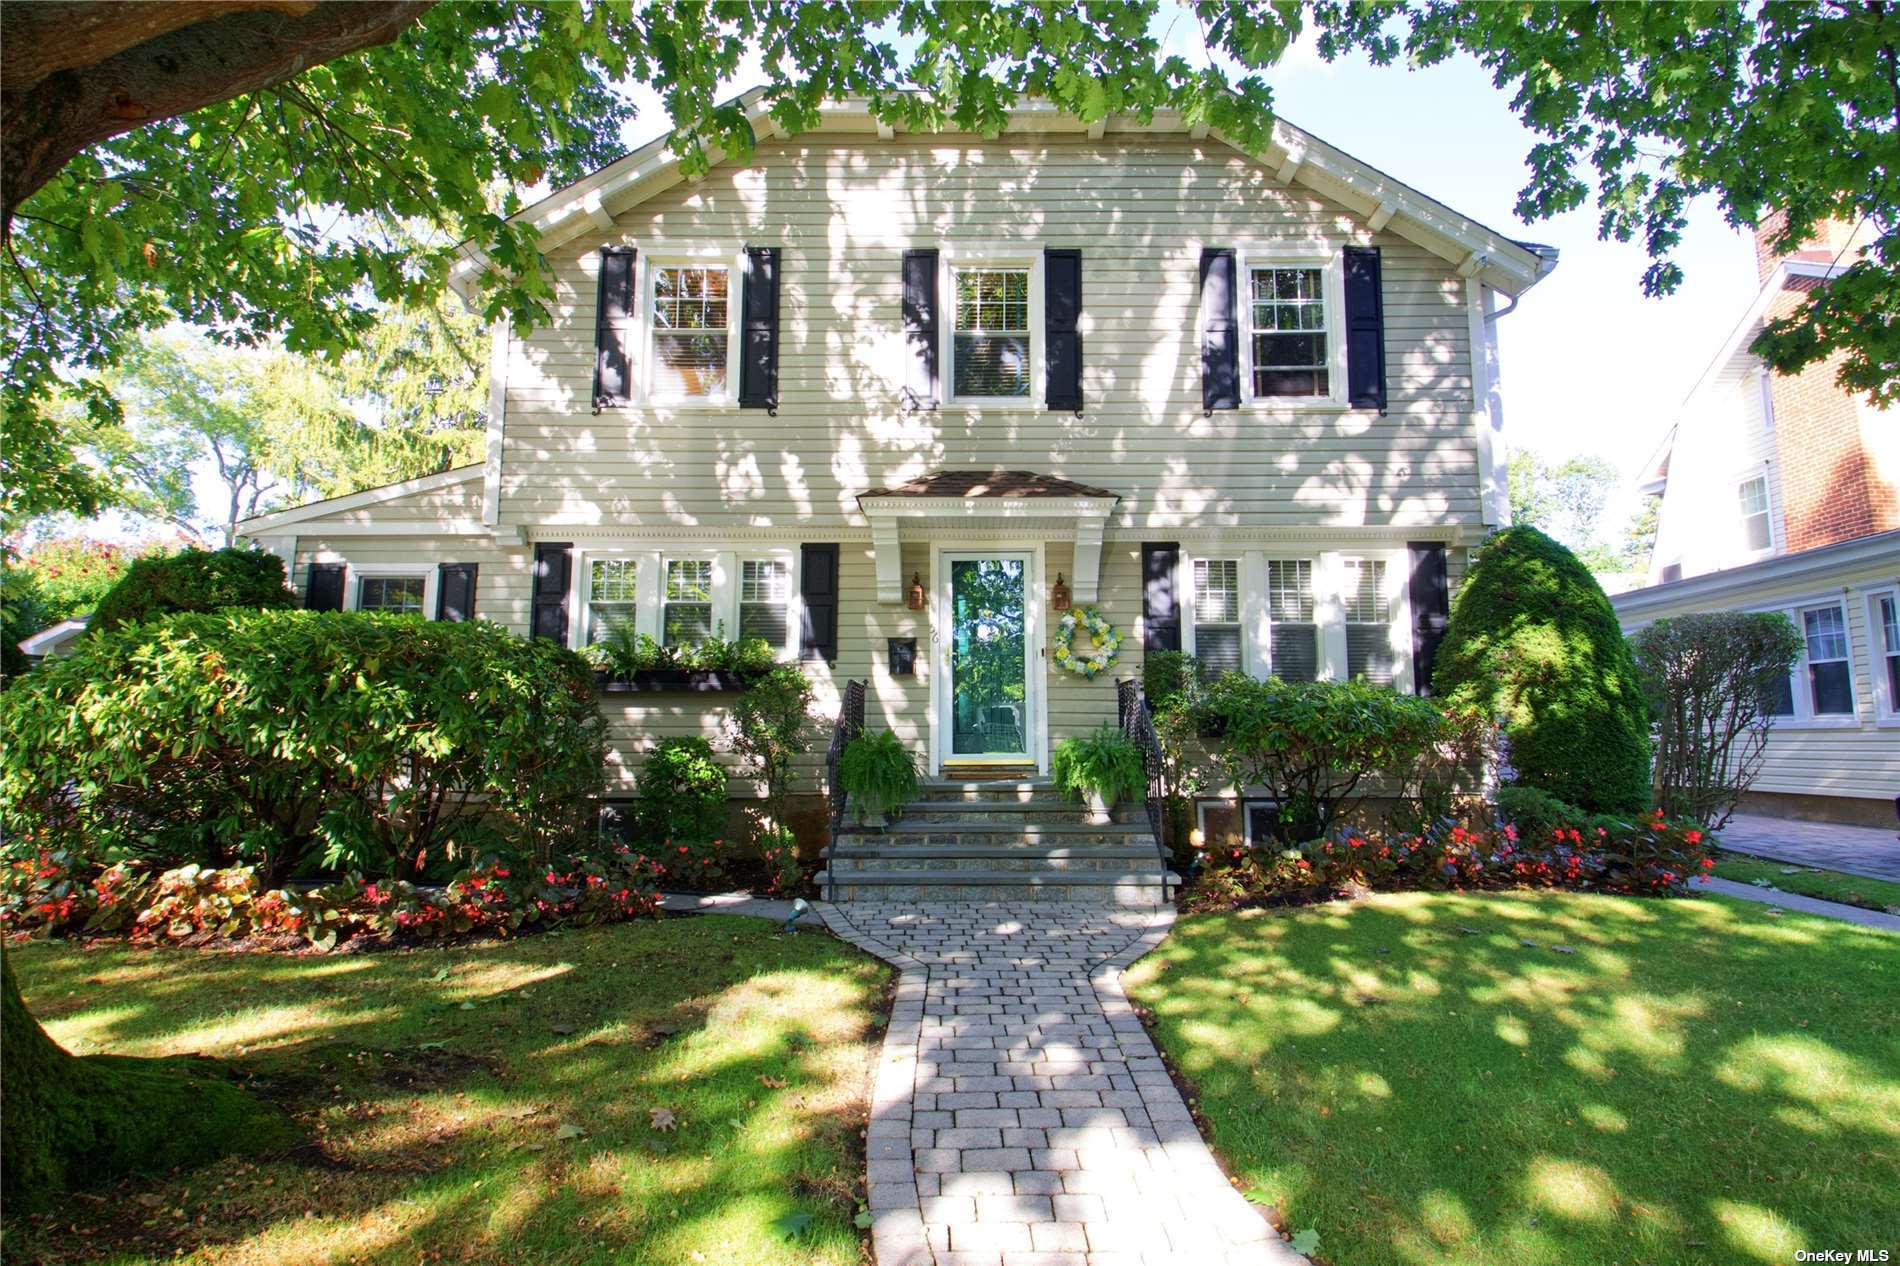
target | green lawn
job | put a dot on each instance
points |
(1828, 885)
(439, 1085)
(1692, 1083)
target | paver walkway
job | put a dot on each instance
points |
(1020, 1115)
(1870, 852)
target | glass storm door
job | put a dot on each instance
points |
(989, 657)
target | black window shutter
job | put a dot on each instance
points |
(1160, 613)
(553, 565)
(324, 591)
(455, 592)
(1365, 329)
(758, 355)
(1431, 610)
(920, 327)
(1062, 311)
(818, 585)
(1220, 331)
(613, 327)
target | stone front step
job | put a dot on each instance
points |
(1039, 809)
(997, 790)
(954, 832)
(846, 860)
(1094, 888)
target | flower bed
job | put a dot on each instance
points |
(1648, 857)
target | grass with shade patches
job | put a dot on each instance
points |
(1828, 885)
(496, 1102)
(1545, 1079)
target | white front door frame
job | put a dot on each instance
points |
(1035, 650)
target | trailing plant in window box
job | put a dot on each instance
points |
(1101, 767)
(878, 772)
(629, 659)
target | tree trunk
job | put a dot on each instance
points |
(70, 1121)
(76, 72)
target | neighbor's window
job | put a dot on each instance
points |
(1295, 648)
(990, 353)
(765, 600)
(1830, 681)
(397, 595)
(611, 596)
(686, 615)
(1754, 498)
(1888, 608)
(1217, 613)
(1288, 330)
(1368, 622)
(691, 318)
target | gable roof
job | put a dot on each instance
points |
(279, 519)
(1294, 154)
(989, 483)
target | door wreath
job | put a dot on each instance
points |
(1103, 642)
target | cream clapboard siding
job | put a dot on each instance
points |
(1140, 210)
(1861, 760)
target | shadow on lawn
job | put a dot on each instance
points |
(1546, 1078)
(436, 1128)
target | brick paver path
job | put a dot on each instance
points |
(1870, 852)
(1020, 1114)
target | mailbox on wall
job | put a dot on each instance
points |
(903, 656)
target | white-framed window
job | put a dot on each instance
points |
(1217, 641)
(686, 608)
(1752, 493)
(765, 600)
(1293, 651)
(1292, 306)
(1883, 612)
(690, 313)
(393, 588)
(1368, 608)
(1829, 668)
(612, 598)
(991, 350)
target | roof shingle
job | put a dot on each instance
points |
(990, 483)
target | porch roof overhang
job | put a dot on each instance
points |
(1017, 499)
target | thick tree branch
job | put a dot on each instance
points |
(46, 121)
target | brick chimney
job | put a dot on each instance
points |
(1831, 488)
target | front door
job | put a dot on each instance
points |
(989, 712)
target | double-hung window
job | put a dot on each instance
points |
(613, 587)
(765, 600)
(1217, 613)
(692, 327)
(1830, 675)
(1885, 608)
(990, 348)
(393, 595)
(1753, 495)
(686, 610)
(1290, 334)
(1294, 651)
(1369, 651)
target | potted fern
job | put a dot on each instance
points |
(879, 774)
(1101, 767)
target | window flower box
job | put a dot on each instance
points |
(674, 680)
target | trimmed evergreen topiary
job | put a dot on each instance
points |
(194, 580)
(1533, 641)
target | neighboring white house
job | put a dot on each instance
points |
(1779, 494)
(1246, 406)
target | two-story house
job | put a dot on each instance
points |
(1782, 493)
(887, 400)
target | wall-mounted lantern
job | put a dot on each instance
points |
(914, 599)
(1059, 595)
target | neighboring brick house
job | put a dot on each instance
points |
(1782, 492)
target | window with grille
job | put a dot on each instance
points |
(1217, 613)
(686, 609)
(393, 595)
(1287, 316)
(1830, 679)
(1295, 632)
(1754, 499)
(1369, 652)
(691, 321)
(990, 350)
(765, 598)
(611, 596)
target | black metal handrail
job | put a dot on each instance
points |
(849, 725)
(1138, 723)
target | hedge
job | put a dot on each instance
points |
(194, 580)
(1533, 641)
